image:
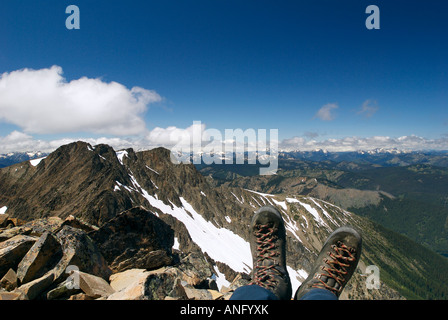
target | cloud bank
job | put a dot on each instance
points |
(163, 137)
(43, 102)
(409, 143)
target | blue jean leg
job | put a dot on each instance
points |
(319, 294)
(253, 292)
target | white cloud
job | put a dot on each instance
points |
(43, 102)
(197, 135)
(172, 135)
(16, 141)
(411, 142)
(368, 108)
(326, 113)
(158, 137)
(21, 142)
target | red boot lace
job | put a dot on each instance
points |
(265, 238)
(337, 267)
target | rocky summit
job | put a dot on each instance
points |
(88, 222)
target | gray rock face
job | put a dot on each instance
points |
(80, 250)
(41, 258)
(13, 250)
(135, 239)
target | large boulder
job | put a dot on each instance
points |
(9, 280)
(14, 231)
(135, 239)
(42, 225)
(13, 250)
(93, 286)
(163, 284)
(63, 290)
(34, 288)
(3, 220)
(40, 259)
(196, 270)
(80, 253)
(129, 284)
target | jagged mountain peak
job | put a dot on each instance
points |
(95, 182)
(73, 180)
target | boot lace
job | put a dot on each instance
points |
(336, 267)
(264, 274)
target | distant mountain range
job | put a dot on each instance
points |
(379, 156)
(404, 191)
(210, 217)
(383, 157)
(16, 157)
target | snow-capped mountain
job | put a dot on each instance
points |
(378, 156)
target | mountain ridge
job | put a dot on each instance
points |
(96, 184)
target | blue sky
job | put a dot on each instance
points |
(310, 69)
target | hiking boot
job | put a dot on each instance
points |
(268, 247)
(335, 264)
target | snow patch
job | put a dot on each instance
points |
(120, 155)
(220, 279)
(291, 226)
(297, 277)
(314, 213)
(202, 193)
(135, 183)
(242, 198)
(303, 274)
(35, 162)
(219, 243)
(122, 185)
(306, 222)
(152, 170)
(261, 194)
(3, 210)
(281, 204)
(323, 210)
(144, 193)
(257, 202)
(292, 200)
(176, 243)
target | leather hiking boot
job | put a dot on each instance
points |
(268, 247)
(335, 264)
